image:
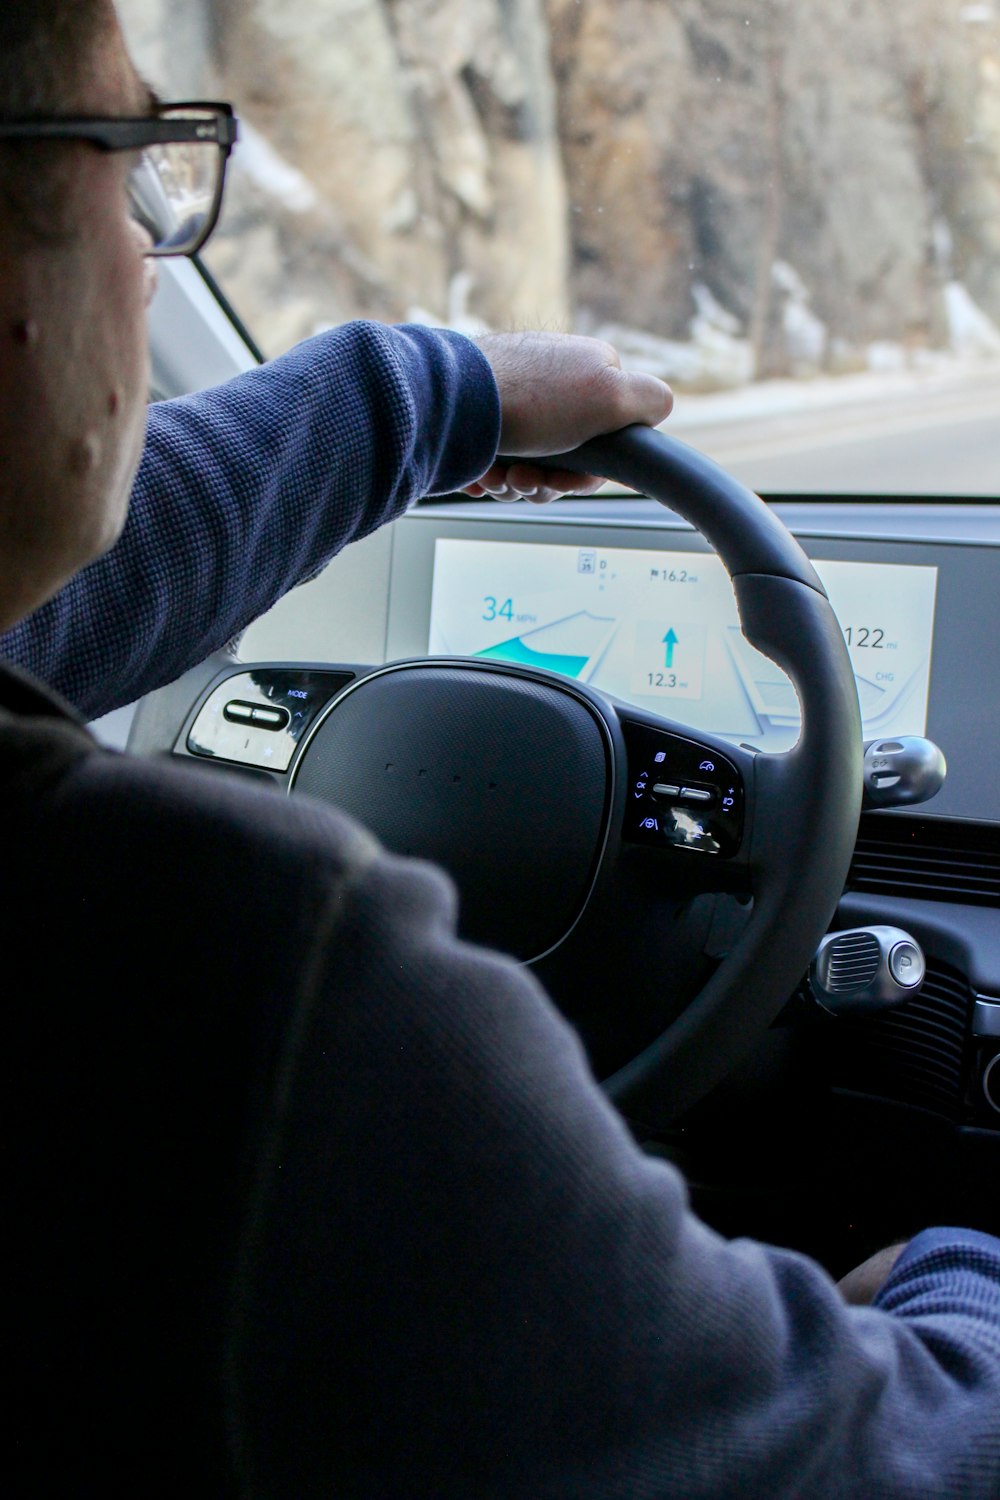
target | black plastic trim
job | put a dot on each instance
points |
(229, 310)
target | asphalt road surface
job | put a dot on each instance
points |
(940, 442)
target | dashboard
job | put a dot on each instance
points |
(639, 607)
(619, 595)
(596, 589)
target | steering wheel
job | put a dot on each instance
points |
(586, 835)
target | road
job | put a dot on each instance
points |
(939, 439)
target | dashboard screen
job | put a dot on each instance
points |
(660, 630)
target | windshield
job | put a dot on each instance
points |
(790, 209)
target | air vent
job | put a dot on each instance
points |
(913, 1055)
(933, 859)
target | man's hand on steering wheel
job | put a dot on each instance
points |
(556, 391)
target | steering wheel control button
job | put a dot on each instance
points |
(906, 964)
(866, 970)
(271, 718)
(238, 713)
(696, 800)
(257, 718)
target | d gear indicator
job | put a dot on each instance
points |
(681, 794)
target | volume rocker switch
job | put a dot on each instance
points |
(271, 718)
(238, 713)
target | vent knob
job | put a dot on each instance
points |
(867, 969)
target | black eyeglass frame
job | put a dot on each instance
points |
(135, 134)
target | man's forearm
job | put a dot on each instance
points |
(247, 489)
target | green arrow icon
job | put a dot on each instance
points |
(670, 641)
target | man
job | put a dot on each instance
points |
(252, 487)
(311, 1198)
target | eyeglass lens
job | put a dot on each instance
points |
(174, 190)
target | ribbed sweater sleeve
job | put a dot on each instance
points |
(247, 489)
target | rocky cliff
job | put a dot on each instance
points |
(799, 180)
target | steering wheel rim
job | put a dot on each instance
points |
(806, 798)
(785, 612)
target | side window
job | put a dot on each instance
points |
(791, 204)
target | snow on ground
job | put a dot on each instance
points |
(766, 398)
(717, 355)
(972, 332)
(806, 335)
(458, 318)
(714, 355)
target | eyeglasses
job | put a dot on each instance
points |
(175, 187)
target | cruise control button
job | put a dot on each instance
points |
(664, 789)
(695, 794)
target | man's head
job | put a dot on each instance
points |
(43, 51)
(73, 292)
(45, 54)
